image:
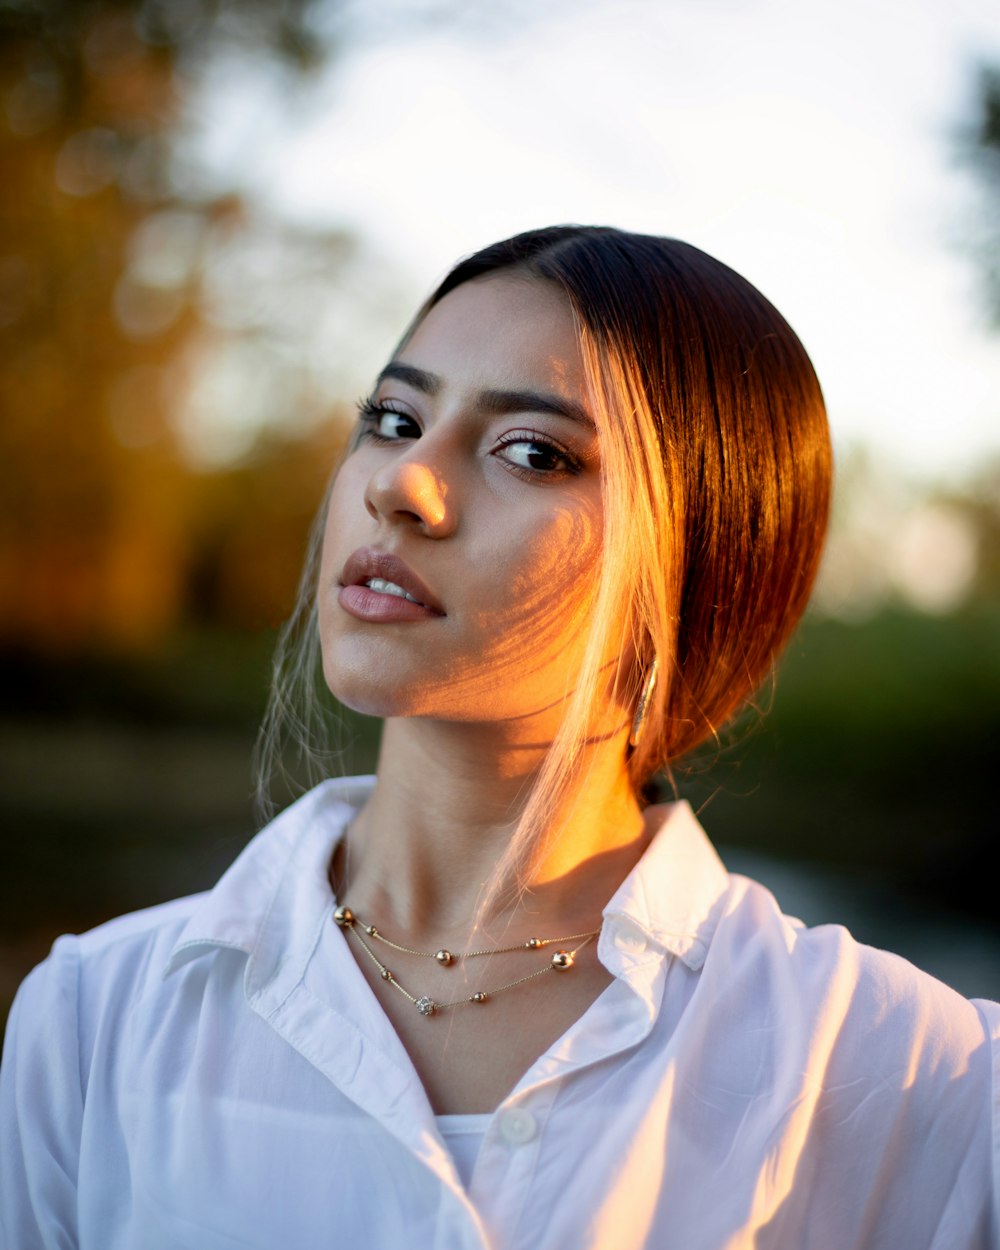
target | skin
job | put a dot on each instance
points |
(499, 513)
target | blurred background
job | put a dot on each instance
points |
(217, 217)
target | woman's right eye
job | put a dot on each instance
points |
(381, 424)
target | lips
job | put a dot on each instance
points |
(382, 589)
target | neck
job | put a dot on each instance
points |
(440, 818)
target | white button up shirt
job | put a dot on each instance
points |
(215, 1073)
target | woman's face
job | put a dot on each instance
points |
(474, 486)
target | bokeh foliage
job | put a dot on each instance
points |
(123, 276)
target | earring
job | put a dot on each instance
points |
(648, 686)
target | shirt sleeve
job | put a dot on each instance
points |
(990, 1013)
(41, 1108)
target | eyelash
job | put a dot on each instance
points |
(370, 414)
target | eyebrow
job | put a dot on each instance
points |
(420, 379)
(496, 402)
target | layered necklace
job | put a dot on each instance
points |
(561, 960)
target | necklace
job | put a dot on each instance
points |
(561, 961)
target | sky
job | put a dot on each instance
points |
(807, 143)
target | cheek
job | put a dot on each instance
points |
(347, 496)
(523, 602)
(543, 580)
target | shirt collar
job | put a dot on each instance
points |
(270, 902)
(673, 897)
(280, 879)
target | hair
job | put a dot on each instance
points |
(716, 488)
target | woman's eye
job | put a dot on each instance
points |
(394, 425)
(536, 457)
(386, 425)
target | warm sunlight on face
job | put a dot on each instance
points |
(464, 528)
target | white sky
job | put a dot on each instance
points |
(805, 142)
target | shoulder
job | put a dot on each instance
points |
(134, 939)
(95, 979)
(128, 943)
(824, 973)
(85, 975)
(859, 1035)
(890, 1077)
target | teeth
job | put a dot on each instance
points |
(388, 588)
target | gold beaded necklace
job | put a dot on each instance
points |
(561, 961)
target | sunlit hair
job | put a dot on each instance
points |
(716, 481)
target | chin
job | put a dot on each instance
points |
(368, 697)
(369, 690)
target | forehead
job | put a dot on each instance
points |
(498, 330)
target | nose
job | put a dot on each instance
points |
(410, 492)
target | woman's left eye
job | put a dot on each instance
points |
(534, 456)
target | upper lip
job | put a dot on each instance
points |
(366, 563)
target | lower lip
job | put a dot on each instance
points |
(369, 605)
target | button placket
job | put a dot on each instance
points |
(507, 1166)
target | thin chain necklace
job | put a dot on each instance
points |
(561, 961)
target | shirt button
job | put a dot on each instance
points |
(630, 939)
(518, 1126)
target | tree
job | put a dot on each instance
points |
(123, 302)
(978, 146)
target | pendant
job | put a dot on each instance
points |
(426, 1006)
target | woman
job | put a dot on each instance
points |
(491, 997)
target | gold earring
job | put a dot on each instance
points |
(648, 686)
